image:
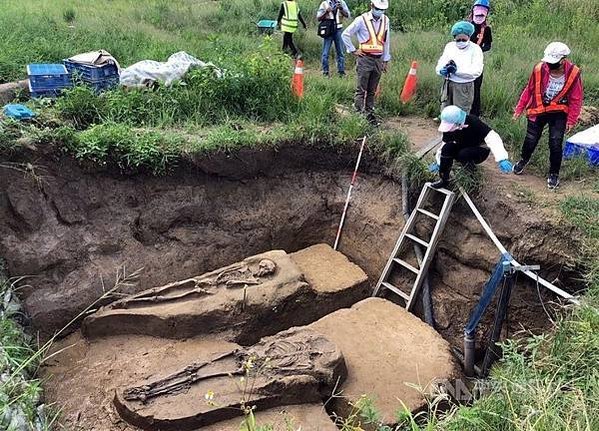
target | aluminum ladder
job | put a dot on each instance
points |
(409, 234)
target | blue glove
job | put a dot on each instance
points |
(505, 166)
(444, 72)
(433, 167)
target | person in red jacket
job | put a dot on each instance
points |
(552, 97)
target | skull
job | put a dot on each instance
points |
(266, 267)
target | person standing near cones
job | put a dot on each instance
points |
(553, 97)
(482, 37)
(289, 16)
(460, 64)
(373, 54)
(333, 10)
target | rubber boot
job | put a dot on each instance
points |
(444, 170)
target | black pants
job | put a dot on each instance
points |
(557, 129)
(468, 156)
(475, 110)
(288, 43)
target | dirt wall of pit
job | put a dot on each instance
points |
(72, 229)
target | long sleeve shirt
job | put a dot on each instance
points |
(282, 12)
(487, 38)
(359, 29)
(469, 62)
(575, 95)
(336, 12)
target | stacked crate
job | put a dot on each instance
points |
(48, 80)
(103, 77)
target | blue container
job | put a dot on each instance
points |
(48, 77)
(89, 73)
(591, 152)
(105, 84)
(37, 93)
(20, 112)
(266, 26)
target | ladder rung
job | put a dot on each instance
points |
(428, 213)
(396, 290)
(444, 191)
(406, 265)
(418, 240)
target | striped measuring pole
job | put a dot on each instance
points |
(347, 199)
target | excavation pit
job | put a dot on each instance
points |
(75, 230)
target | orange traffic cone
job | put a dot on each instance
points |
(409, 87)
(297, 84)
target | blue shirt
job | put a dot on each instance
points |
(359, 29)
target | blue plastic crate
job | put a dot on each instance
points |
(591, 152)
(89, 73)
(20, 112)
(37, 93)
(48, 76)
(105, 84)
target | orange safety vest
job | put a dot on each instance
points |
(559, 102)
(375, 45)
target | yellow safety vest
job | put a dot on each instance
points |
(375, 44)
(289, 21)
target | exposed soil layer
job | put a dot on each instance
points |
(73, 230)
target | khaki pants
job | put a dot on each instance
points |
(458, 94)
(369, 71)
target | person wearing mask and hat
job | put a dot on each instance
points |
(469, 141)
(460, 64)
(553, 98)
(333, 10)
(482, 37)
(373, 54)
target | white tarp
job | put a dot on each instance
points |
(146, 72)
(588, 137)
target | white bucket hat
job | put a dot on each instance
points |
(381, 4)
(555, 51)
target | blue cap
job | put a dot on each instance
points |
(462, 27)
(483, 3)
(450, 117)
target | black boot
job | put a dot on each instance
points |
(444, 170)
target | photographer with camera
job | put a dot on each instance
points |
(460, 64)
(330, 28)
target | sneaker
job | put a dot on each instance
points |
(342, 74)
(553, 181)
(326, 74)
(519, 167)
(373, 120)
(440, 184)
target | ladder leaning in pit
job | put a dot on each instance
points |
(408, 234)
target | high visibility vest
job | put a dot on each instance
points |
(290, 18)
(560, 102)
(375, 44)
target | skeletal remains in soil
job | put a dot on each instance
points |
(272, 358)
(243, 274)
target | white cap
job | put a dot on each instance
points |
(381, 4)
(555, 51)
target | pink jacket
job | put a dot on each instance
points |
(574, 96)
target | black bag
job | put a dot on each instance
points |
(327, 27)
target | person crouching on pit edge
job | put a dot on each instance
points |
(373, 54)
(333, 10)
(469, 141)
(552, 97)
(460, 64)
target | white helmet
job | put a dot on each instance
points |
(555, 51)
(381, 4)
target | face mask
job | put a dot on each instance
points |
(554, 66)
(377, 13)
(479, 19)
(462, 44)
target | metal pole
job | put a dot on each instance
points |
(347, 199)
